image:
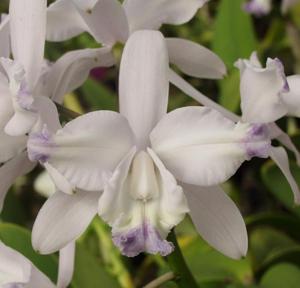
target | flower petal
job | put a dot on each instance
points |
(106, 20)
(28, 33)
(38, 280)
(86, 150)
(66, 265)
(14, 267)
(292, 98)
(217, 220)
(144, 85)
(4, 36)
(71, 70)
(194, 59)
(12, 169)
(62, 219)
(201, 147)
(280, 157)
(64, 21)
(261, 89)
(160, 12)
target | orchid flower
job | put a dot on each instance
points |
(27, 83)
(269, 95)
(110, 22)
(263, 7)
(144, 169)
(16, 271)
(266, 96)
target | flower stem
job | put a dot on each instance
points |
(183, 276)
(160, 280)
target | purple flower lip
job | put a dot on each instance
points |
(142, 239)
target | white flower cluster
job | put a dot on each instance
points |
(141, 170)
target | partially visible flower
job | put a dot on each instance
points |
(28, 82)
(17, 271)
(144, 169)
(258, 7)
(263, 7)
(68, 18)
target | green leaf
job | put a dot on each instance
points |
(89, 272)
(230, 91)
(234, 34)
(98, 96)
(281, 275)
(278, 185)
(282, 222)
(270, 246)
(19, 239)
(208, 265)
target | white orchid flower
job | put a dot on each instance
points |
(144, 169)
(26, 83)
(16, 271)
(278, 155)
(109, 22)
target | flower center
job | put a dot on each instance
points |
(143, 183)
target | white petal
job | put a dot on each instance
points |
(64, 21)
(4, 36)
(201, 147)
(38, 280)
(106, 20)
(24, 116)
(261, 89)
(86, 149)
(47, 114)
(285, 140)
(66, 265)
(160, 12)
(60, 182)
(194, 59)
(71, 70)
(217, 220)
(144, 85)
(12, 169)
(20, 123)
(189, 90)
(14, 267)
(142, 204)
(9, 146)
(28, 33)
(44, 185)
(86, 4)
(280, 157)
(292, 98)
(62, 219)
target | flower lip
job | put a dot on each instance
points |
(142, 239)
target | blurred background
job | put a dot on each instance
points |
(259, 189)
